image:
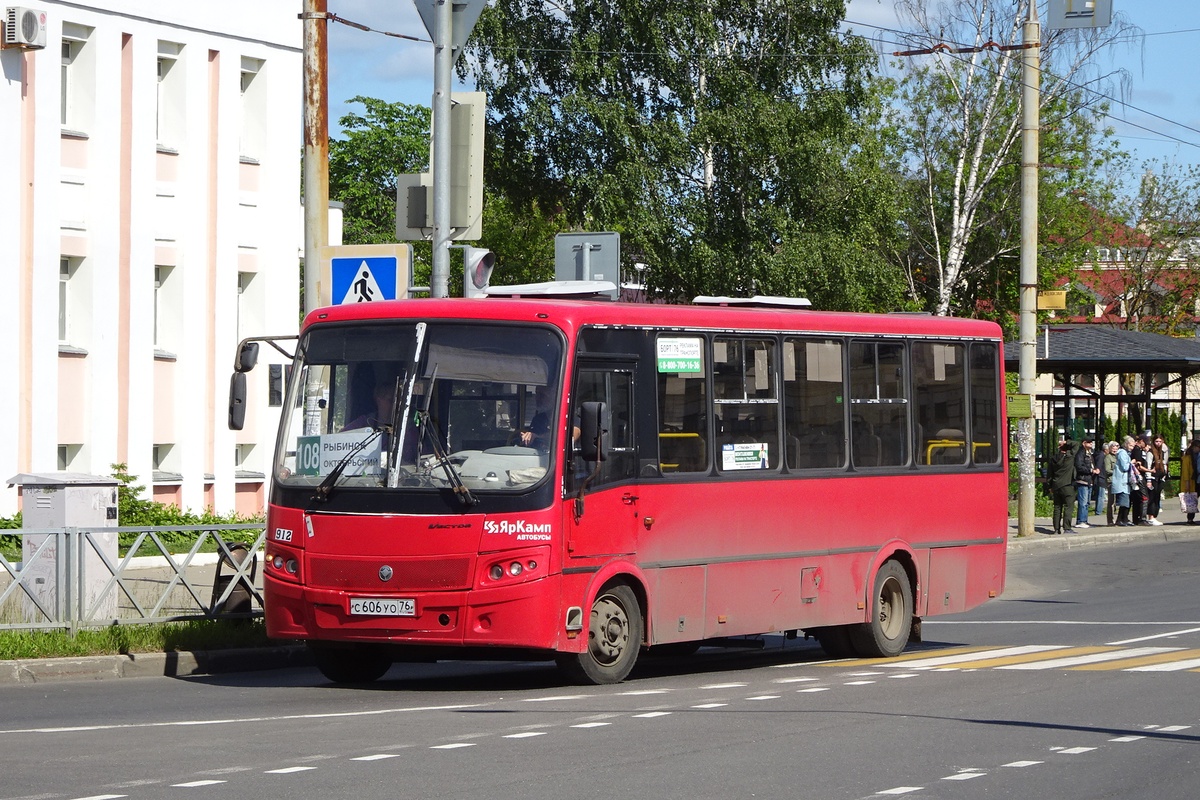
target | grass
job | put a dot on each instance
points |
(168, 637)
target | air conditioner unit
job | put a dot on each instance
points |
(24, 28)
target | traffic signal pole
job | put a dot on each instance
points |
(443, 65)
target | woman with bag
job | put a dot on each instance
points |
(1156, 480)
(1122, 481)
(1187, 480)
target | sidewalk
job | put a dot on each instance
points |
(1174, 528)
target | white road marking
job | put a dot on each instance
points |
(1020, 764)
(652, 714)
(902, 790)
(241, 720)
(287, 770)
(452, 746)
(641, 692)
(960, 658)
(965, 775)
(525, 734)
(194, 784)
(858, 683)
(795, 680)
(1174, 728)
(723, 686)
(376, 757)
(102, 797)
(1074, 751)
(1091, 658)
(862, 674)
(813, 689)
(711, 705)
(1127, 738)
(904, 675)
(764, 697)
(555, 697)
(1155, 636)
(591, 725)
(1169, 666)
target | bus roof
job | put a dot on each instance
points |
(574, 314)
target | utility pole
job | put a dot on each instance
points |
(316, 144)
(443, 66)
(316, 174)
(1027, 369)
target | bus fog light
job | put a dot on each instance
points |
(277, 562)
(292, 566)
(496, 572)
(515, 568)
(531, 566)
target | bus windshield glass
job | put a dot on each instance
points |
(402, 406)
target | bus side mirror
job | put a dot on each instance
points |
(247, 357)
(237, 401)
(593, 427)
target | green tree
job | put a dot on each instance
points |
(962, 125)
(734, 145)
(387, 140)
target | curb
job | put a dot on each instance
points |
(1099, 536)
(152, 665)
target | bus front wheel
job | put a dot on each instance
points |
(614, 639)
(887, 633)
(350, 664)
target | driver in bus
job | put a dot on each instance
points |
(383, 398)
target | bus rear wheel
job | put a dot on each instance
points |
(886, 635)
(614, 639)
(350, 664)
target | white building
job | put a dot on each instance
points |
(148, 220)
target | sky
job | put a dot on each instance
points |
(1160, 117)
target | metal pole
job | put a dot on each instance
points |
(316, 146)
(1026, 377)
(316, 176)
(443, 64)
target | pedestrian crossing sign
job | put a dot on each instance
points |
(365, 273)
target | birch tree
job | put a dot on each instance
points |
(962, 103)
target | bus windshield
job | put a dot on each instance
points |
(396, 406)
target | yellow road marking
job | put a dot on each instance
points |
(1156, 658)
(1029, 658)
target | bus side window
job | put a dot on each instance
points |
(879, 404)
(682, 404)
(985, 403)
(814, 410)
(939, 372)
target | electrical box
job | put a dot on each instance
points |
(58, 500)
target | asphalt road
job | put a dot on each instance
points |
(1079, 683)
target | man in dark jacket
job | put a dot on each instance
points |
(1085, 474)
(1061, 480)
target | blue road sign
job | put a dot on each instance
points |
(363, 280)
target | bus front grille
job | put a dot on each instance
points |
(341, 572)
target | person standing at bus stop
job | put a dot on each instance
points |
(1062, 485)
(1189, 471)
(1107, 462)
(1122, 481)
(1085, 475)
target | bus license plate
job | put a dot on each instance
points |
(384, 606)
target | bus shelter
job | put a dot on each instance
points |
(1146, 375)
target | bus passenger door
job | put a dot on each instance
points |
(608, 525)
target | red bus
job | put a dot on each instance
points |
(584, 480)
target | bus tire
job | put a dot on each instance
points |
(350, 664)
(835, 641)
(886, 635)
(614, 639)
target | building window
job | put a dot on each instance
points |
(243, 457)
(64, 297)
(275, 385)
(77, 72)
(170, 108)
(254, 109)
(168, 307)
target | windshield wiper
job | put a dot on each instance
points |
(441, 459)
(326, 487)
